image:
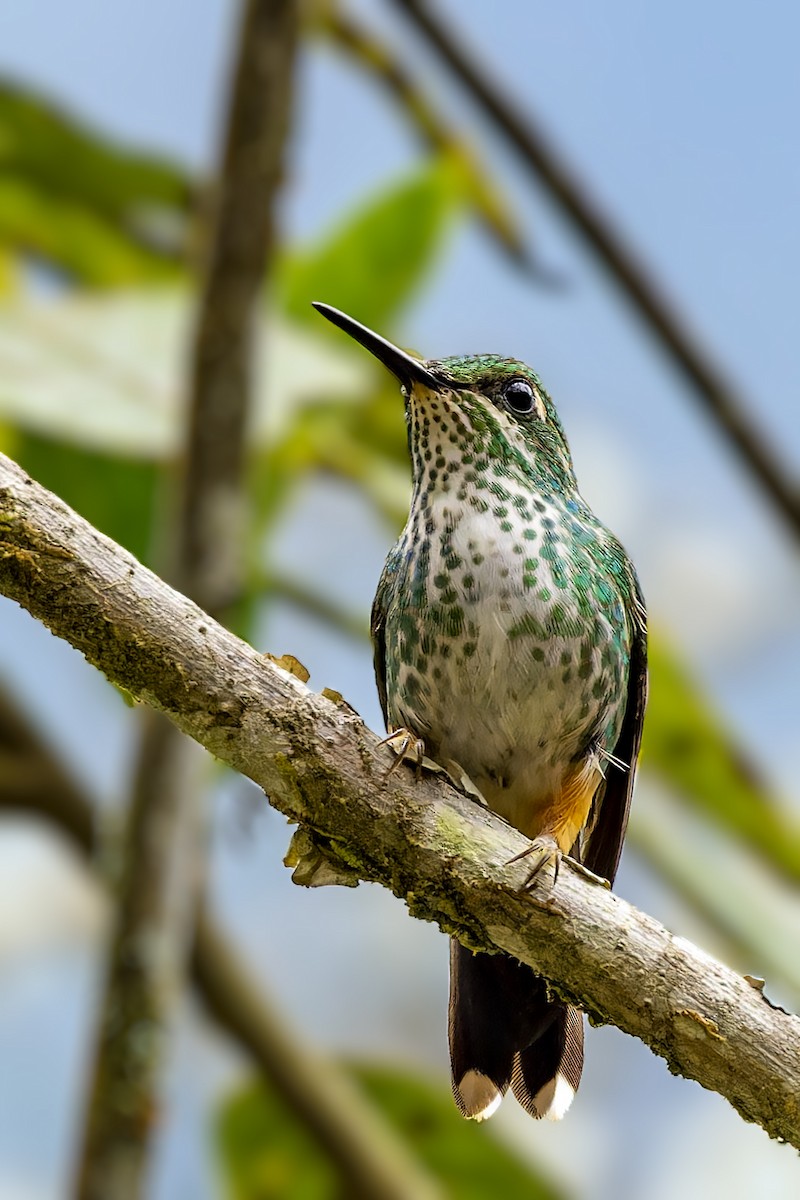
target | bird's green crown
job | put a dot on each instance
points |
(510, 414)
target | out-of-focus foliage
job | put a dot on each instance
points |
(106, 371)
(379, 61)
(689, 746)
(118, 494)
(56, 154)
(267, 1155)
(79, 204)
(370, 265)
(74, 239)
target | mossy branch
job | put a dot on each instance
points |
(446, 856)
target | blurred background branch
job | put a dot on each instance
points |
(162, 852)
(370, 1159)
(379, 59)
(719, 397)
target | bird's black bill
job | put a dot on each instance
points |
(407, 369)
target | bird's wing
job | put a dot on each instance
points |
(603, 848)
(377, 628)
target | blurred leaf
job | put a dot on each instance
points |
(74, 239)
(106, 372)
(340, 438)
(690, 748)
(268, 1155)
(63, 158)
(742, 901)
(118, 495)
(465, 1157)
(370, 265)
(9, 274)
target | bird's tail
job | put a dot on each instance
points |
(505, 1032)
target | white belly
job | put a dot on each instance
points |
(514, 696)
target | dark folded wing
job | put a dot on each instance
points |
(377, 629)
(603, 848)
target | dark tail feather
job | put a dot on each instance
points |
(504, 1031)
(546, 1075)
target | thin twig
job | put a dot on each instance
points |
(718, 396)
(162, 853)
(372, 1161)
(381, 61)
(448, 857)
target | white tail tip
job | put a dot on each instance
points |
(553, 1100)
(479, 1096)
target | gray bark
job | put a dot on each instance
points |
(440, 851)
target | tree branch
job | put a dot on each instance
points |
(209, 550)
(149, 944)
(444, 854)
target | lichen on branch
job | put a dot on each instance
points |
(445, 855)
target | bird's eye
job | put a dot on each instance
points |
(519, 397)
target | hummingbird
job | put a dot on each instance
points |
(510, 639)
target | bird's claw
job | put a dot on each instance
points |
(598, 880)
(544, 852)
(407, 746)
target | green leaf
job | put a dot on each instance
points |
(119, 495)
(267, 1155)
(63, 158)
(378, 59)
(106, 372)
(466, 1158)
(74, 239)
(372, 262)
(687, 744)
(746, 906)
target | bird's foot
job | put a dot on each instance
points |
(544, 853)
(407, 746)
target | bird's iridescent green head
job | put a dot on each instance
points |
(498, 406)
